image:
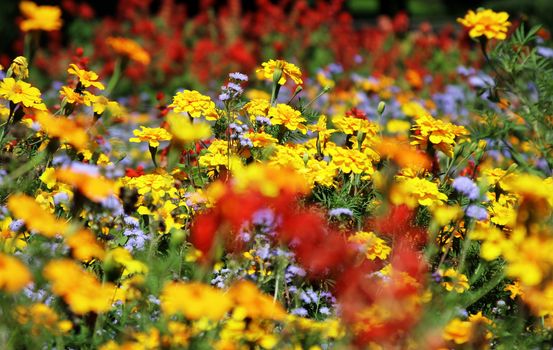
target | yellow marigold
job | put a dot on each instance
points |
(350, 160)
(94, 187)
(73, 97)
(84, 246)
(35, 217)
(18, 91)
(86, 78)
(268, 179)
(124, 258)
(151, 135)
(64, 129)
(255, 304)
(157, 185)
(416, 191)
(195, 104)
(42, 316)
(373, 246)
(79, 289)
(438, 133)
(47, 18)
(164, 214)
(129, 48)
(288, 70)
(493, 25)
(14, 275)
(19, 69)
(458, 331)
(194, 300)
(260, 139)
(515, 289)
(287, 116)
(319, 172)
(453, 280)
(528, 260)
(257, 107)
(351, 125)
(288, 156)
(185, 131)
(217, 154)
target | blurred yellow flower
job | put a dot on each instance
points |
(47, 18)
(34, 216)
(372, 245)
(14, 275)
(129, 48)
(95, 188)
(453, 280)
(185, 131)
(64, 129)
(194, 300)
(493, 25)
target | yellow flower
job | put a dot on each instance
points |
(194, 300)
(64, 129)
(47, 18)
(19, 69)
(255, 304)
(95, 188)
(373, 246)
(351, 125)
(78, 288)
(438, 133)
(18, 91)
(257, 107)
(217, 154)
(493, 25)
(158, 185)
(151, 135)
(260, 139)
(458, 331)
(285, 115)
(73, 97)
(35, 217)
(186, 131)
(416, 191)
(42, 316)
(195, 104)
(129, 48)
(454, 280)
(350, 161)
(14, 275)
(288, 70)
(86, 78)
(124, 258)
(515, 289)
(84, 246)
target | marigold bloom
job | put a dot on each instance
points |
(84, 245)
(289, 71)
(42, 316)
(195, 301)
(18, 91)
(14, 275)
(373, 246)
(416, 191)
(493, 25)
(287, 116)
(255, 304)
(458, 331)
(351, 125)
(87, 78)
(350, 161)
(78, 288)
(454, 280)
(151, 135)
(257, 108)
(217, 154)
(95, 188)
(19, 69)
(438, 133)
(195, 104)
(64, 129)
(185, 131)
(129, 48)
(47, 18)
(35, 217)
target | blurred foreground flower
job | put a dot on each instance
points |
(47, 18)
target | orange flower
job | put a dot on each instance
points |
(64, 129)
(14, 275)
(95, 188)
(35, 217)
(493, 25)
(129, 48)
(47, 18)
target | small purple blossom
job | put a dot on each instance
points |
(467, 187)
(300, 311)
(477, 213)
(340, 211)
(238, 76)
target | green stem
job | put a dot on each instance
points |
(484, 290)
(116, 76)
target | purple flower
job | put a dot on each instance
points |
(238, 76)
(340, 211)
(477, 213)
(545, 51)
(224, 96)
(324, 310)
(300, 311)
(467, 187)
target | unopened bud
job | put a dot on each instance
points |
(19, 69)
(381, 107)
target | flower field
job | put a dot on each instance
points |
(275, 177)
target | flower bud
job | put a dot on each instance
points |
(381, 107)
